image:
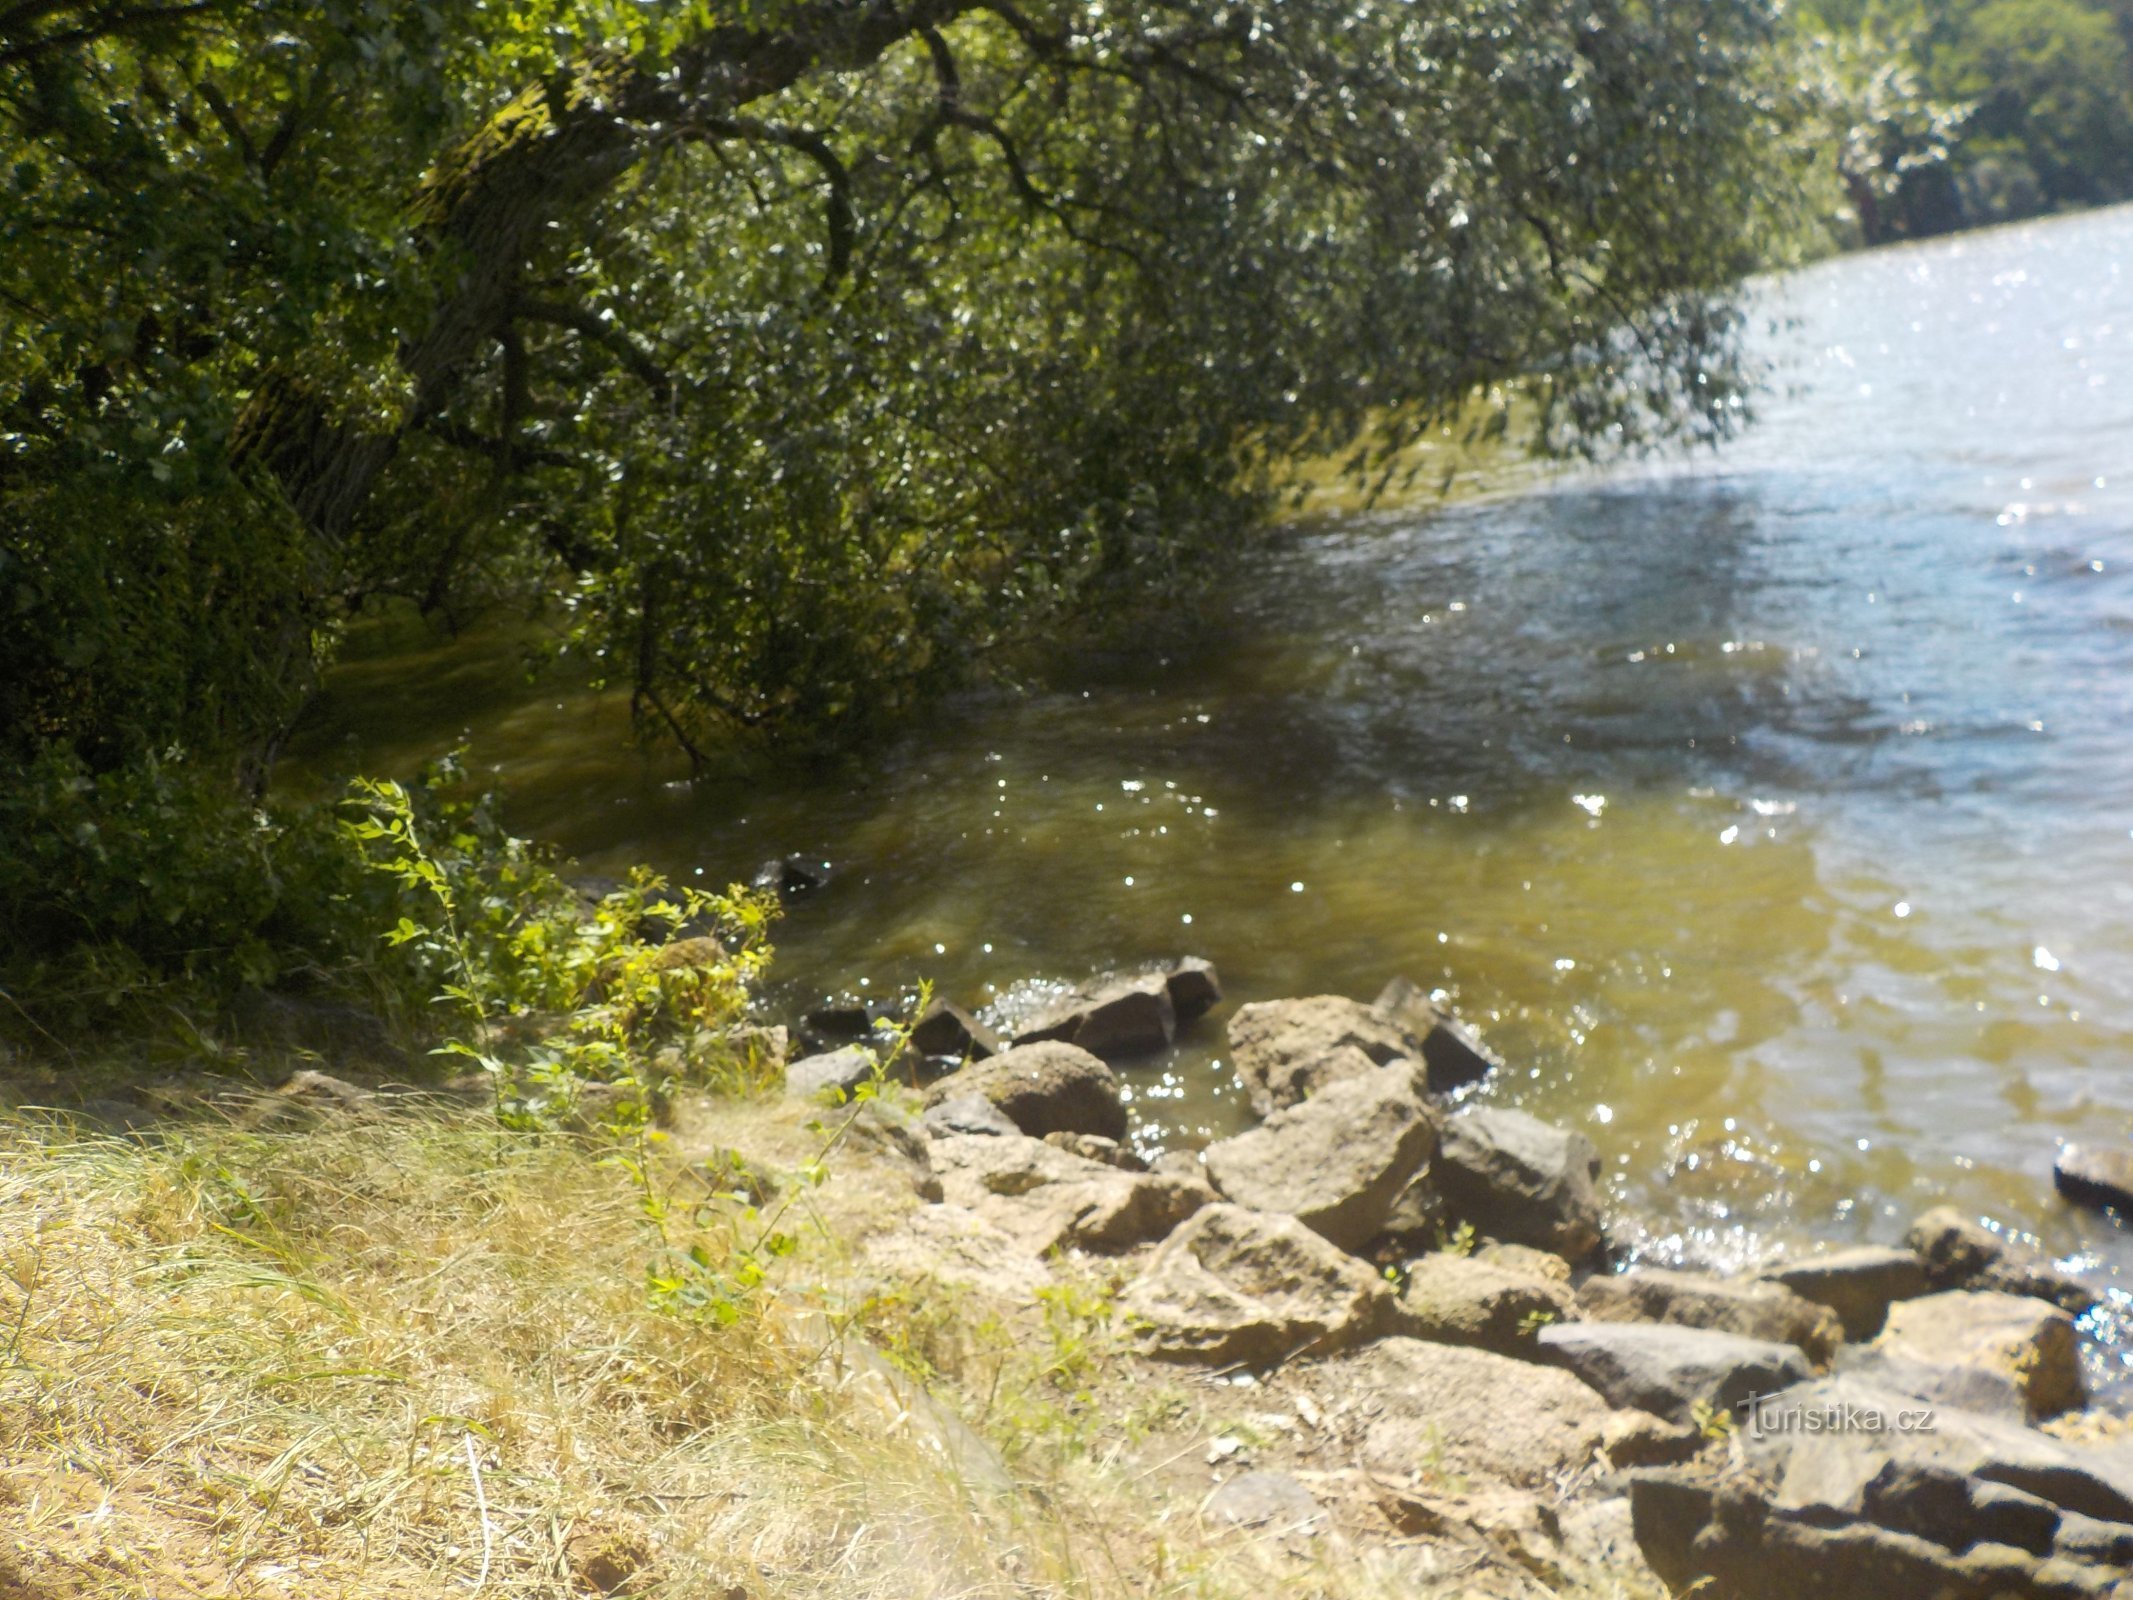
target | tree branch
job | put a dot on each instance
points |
(591, 326)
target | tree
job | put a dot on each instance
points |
(803, 351)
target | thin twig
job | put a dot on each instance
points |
(481, 1501)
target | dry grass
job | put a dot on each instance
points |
(415, 1357)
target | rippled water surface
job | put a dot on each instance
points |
(1771, 812)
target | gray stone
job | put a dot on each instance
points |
(828, 1028)
(967, 1114)
(956, 1246)
(2096, 1177)
(1686, 1299)
(837, 1072)
(1859, 1285)
(1237, 1286)
(1453, 1299)
(1093, 1147)
(1525, 1259)
(1051, 1199)
(1262, 1499)
(1519, 1180)
(1451, 1053)
(1044, 1088)
(1451, 1411)
(1959, 1253)
(943, 1029)
(1671, 1371)
(1195, 988)
(2025, 1340)
(1416, 1223)
(886, 1129)
(1337, 1161)
(1286, 1050)
(1115, 1018)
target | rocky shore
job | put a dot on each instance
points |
(1431, 1279)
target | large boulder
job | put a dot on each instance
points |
(1233, 1286)
(1672, 1372)
(1521, 1180)
(1451, 1412)
(1115, 1018)
(1286, 1050)
(2093, 1176)
(1051, 1199)
(1754, 1310)
(1336, 1162)
(1043, 1088)
(1859, 1285)
(2025, 1341)
(1839, 1488)
(1960, 1253)
(1453, 1299)
(1452, 1056)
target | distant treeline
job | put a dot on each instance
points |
(1958, 113)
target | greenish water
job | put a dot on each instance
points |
(1771, 812)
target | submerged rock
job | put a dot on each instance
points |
(1115, 1018)
(1451, 1053)
(1336, 1162)
(1044, 1088)
(1237, 1286)
(1522, 1181)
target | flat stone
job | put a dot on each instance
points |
(1453, 1299)
(1285, 1050)
(838, 1071)
(1755, 1310)
(1961, 1253)
(1521, 1180)
(2089, 1176)
(1043, 1088)
(2028, 1341)
(1337, 1161)
(1048, 1199)
(1449, 1411)
(967, 1114)
(1237, 1286)
(1262, 1499)
(944, 1029)
(1671, 1371)
(1859, 1285)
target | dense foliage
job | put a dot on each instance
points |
(1950, 113)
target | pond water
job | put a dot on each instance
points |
(1770, 811)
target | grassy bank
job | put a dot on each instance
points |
(416, 1356)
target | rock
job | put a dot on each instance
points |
(1455, 1300)
(1961, 1254)
(790, 876)
(2025, 1340)
(967, 1114)
(1415, 1224)
(1044, 1088)
(1115, 1018)
(1840, 1488)
(1337, 1161)
(837, 1071)
(1671, 1371)
(699, 950)
(1237, 1286)
(1194, 988)
(2093, 1177)
(1524, 1258)
(1453, 1056)
(1520, 1529)
(1859, 1285)
(943, 1029)
(1091, 1147)
(1258, 1499)
(1521, 1181)
(1754, 1310)
(1048, 1199)
(307, 1097)
(1448, 1412)
(885, 1128)
(1286, 1050)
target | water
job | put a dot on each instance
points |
(1771, 811)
